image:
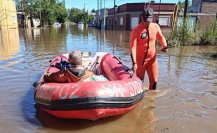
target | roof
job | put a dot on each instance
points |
(132, 7)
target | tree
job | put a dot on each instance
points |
(61, 13)
(77, 15)
(74, 15)
(48, 11)
(93, 11)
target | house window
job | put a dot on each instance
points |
(164, 20)
(121, 21)
(134, 22)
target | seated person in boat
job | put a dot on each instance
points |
(74, 71)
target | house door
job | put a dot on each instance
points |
(134, 22)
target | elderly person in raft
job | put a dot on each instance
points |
(72, 74)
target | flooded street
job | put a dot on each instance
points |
(187, 83)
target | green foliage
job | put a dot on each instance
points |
(186, 35)
(76, 15)
(209, 36)
(48, 11)
(181, 5)
(183, 34)
(93, 11)
(61, 13)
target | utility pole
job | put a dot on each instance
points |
(185, 13)
(114, 24)
(216, 16)
(100, 6)
(97, 13)
(104, 17)
(185, 10)
(159, 13)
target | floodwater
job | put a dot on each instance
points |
(187, 82)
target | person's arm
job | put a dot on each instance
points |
(161, 39)
(133, 42)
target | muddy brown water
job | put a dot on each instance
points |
(187, 83)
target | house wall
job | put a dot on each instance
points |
(127, 20)
(209, 9)
(127, 11)
(195, 7)
(8, 16)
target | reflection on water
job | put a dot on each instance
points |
(81, 27)
(187, 75)
(139, 120)
(9, 43)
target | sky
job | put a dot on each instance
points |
(92, 4)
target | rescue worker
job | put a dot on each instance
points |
(142, 47)
(74, 71)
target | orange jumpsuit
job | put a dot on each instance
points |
(139, 47)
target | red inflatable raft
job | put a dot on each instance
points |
(91, 99)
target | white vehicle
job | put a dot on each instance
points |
(81, 26)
